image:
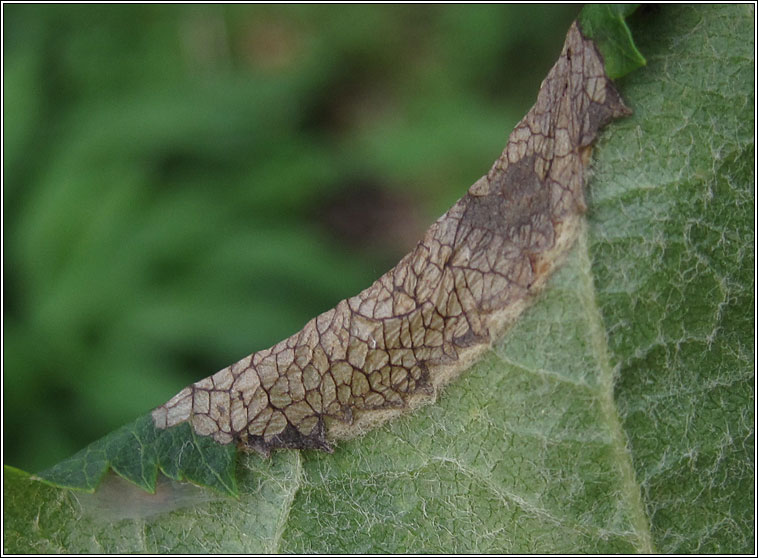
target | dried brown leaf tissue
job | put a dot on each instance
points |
(391, 347)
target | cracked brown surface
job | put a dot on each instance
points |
(391, 347)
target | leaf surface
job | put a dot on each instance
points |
(606, 25)
(616, 416)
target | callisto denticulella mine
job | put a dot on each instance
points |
(391, 347)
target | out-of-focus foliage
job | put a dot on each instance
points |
(184, 185)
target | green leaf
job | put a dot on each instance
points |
(616, 416)
(673, 259)
(138, 450)
(606, 25)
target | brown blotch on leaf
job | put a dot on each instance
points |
(392, 346)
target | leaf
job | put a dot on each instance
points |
(138, 450)
(616, 416)
(606, 25)
(673, 258)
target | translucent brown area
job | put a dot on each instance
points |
(389, 348)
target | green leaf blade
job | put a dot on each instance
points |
(606, 25)
(674, 190)
(137, 451)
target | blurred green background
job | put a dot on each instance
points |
(184, 185)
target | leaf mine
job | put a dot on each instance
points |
(391, 347)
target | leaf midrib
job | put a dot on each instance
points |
(297, 482)
(631, 491)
